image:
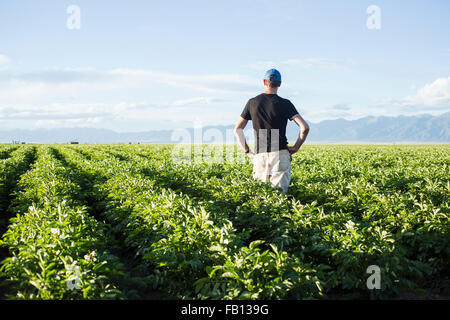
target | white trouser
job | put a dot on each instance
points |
(274, 167)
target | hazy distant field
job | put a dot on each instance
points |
(139, 221)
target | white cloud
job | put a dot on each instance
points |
(4, 61)
(199, 100)
(341, 106)
(207, 83)
(51, 85)
(433, 95)
(135, 78)
(125, 114)
(16, 91)
(59, 111)
(318, 115)
(61, 123)
(66, 75)
(303, 63)
(78, 112)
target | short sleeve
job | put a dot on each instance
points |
(246, 112)
(290, 110)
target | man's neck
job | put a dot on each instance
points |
(271, 91)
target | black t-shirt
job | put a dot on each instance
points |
(269, 114)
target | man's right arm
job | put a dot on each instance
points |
(304, 130)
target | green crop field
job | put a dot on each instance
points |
(136, 222)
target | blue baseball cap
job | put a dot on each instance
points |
(273, 74)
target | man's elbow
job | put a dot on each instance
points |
(238, 131)
(305, 130)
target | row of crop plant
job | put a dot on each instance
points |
(56, 249)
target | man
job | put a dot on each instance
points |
(269, 114)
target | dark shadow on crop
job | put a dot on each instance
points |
(7, 195)
(5, 154)
(136, 270)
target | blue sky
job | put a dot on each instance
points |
(147, 65)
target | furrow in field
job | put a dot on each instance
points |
(6, 151)
(11, 169)
(350, 189)
(256, 210)
(133, 284)
(57, 251)
(146, 217)
(190, 250)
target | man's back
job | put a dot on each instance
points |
(269, 114)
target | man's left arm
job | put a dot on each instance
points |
(304, 130)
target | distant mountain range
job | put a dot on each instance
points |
(401, 129)
(422, 128)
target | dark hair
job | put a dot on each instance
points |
(273, 84)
